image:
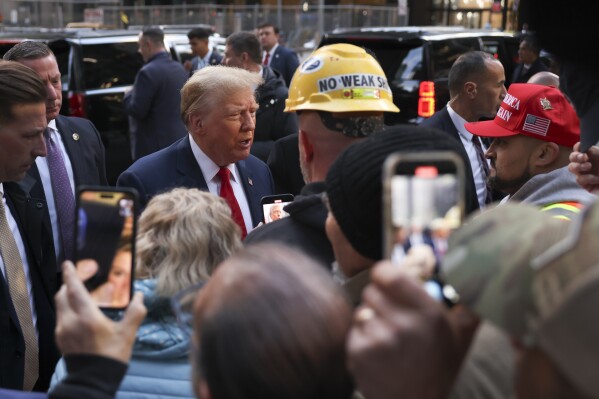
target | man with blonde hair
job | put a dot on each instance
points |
(218, 107)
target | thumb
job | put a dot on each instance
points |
(136, 312)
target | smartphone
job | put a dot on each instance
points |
(272, 207)
(106, 225)
(423, 201)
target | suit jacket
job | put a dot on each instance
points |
(442, 120)
(86, 152)
(153, 105)
(176, 166)
(29, 212)
(214, 59)
(284, 165)
(84, 147)
(272, 122)
(285, 61)
(519, 77)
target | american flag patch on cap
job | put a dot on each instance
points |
(536, 125)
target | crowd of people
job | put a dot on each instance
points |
(309, 305)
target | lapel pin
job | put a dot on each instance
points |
(250, 182)
(76, 136)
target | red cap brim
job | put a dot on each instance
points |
(488, 129)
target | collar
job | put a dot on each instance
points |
(273, 49)
(159, 54)
(52, 124)
(207, 165)
(206, 58)
(459, 123)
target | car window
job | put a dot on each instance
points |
(445, 52)
(110, 65)
(184, 51)
(410, 72)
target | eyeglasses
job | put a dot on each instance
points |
(182, 305)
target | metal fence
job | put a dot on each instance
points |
(301, 25)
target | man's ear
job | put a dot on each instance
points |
(196, 123)
(306, 146)
(470, 89)
(546, 154)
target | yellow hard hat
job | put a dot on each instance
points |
(340, 78)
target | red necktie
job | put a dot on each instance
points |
(226, 191)
(266, 58)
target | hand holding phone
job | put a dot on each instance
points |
(105, 250)
(423, 201)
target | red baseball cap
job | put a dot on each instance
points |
(537, 111)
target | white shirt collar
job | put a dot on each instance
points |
(459, 123)
(207, 165)
(272, 50)
(206, 58)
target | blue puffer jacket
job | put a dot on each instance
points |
(159, 367)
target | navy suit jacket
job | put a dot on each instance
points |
(214, 59)
(86, 152)
(29, 212)
(284, 165)
(153, 105)
(286, 62)
(176, 166)
(519, 77)
(442, 120)
(84, 147)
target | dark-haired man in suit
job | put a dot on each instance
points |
(153, 104)
(276, 56)
(75, 149)
(199, 40)
(28, 277)
(476, 89)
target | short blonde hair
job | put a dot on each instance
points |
(211, 84)
(183, 235)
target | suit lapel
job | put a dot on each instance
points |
(190, 174)
(449, 126)
(247, 180)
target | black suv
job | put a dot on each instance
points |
(97, 67)
(417, 60)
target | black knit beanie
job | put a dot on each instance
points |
(354, 182)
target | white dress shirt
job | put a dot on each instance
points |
(477, 168)
(210, 171)
(14, 228)
(42, 167)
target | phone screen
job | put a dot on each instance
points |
(106, 228)
(272, 207)
(425, 202)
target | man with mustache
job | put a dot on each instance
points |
(533, 134)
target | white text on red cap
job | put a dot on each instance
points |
(510, 101)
